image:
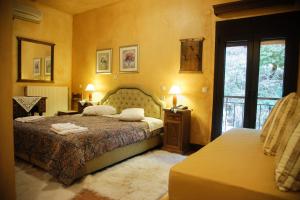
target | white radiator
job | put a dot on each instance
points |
(57, 97)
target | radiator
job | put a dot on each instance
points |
(57, 97)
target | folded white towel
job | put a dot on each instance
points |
(66, 128)
(30, 118)
(66, 132)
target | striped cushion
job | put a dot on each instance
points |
(285, 111)
(287, 171)
(289, 130)
(267, 124)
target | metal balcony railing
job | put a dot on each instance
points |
(233, 111)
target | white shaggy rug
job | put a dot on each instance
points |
(143, 177)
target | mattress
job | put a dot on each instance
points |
(65, 157)
(232, 167)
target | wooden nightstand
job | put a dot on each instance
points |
(177, 131)
(68, 112)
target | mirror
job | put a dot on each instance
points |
(35, 60)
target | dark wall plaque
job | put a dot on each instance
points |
(191, 55)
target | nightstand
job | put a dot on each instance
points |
(177, 131)
(84, 104)
(69, 112)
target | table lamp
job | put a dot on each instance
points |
(90, 88)
(175, 90)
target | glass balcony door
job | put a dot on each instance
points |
(256, 63)
(270, 81)
(234, 85)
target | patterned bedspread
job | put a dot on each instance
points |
(65, 156)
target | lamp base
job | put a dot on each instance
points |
(90, 97)
(174, 101)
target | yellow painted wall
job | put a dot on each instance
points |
(56, 27)
(156, 26)
(7, 172)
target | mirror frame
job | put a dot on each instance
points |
(20, 39)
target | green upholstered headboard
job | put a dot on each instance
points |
(123, 98)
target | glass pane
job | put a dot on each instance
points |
(271, 71)
(234, 87)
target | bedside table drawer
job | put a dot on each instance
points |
(173, 117)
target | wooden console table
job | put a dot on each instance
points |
(40, 108)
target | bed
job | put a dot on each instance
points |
(107, 141)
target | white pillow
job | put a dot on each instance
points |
(132, 114)
(99, 110)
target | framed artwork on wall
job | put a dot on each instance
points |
(129, 58)
(191, 55)
(103, 60)
(47, 66)
(37, 66)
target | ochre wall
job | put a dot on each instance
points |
(7, 170)
(56, 27)
(156, 26)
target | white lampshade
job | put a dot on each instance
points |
(175, 90)
(90, 88)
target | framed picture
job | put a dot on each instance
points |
(129, 58)
(103, 62)
(37, 66)
(48, 66)
(191, 55)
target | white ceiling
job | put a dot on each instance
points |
(76, 6)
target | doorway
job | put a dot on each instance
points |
(256, 63)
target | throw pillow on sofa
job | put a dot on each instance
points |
(268, 122)
(287, 173)
(283, 114)
(291, 127)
